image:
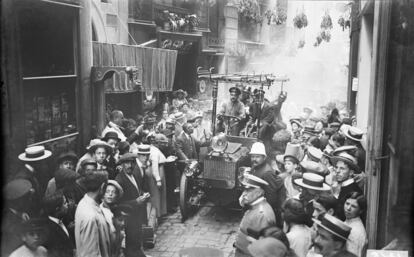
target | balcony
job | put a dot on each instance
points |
(151, 12)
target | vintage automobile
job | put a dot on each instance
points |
(216, 178)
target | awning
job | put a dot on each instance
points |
(116, 79)
(157, 65)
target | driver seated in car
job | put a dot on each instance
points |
(235, 108)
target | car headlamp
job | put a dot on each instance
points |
(192, 169)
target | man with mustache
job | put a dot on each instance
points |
(331, 237)
(275, 191)
(258, 216)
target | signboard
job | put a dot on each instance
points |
(354, 84)
(386, 253)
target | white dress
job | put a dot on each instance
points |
(357, 238)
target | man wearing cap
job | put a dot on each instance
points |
(91, 229)
(66, 160)
(275, 191)
(133, 180)
(18, 195)
(115, 122)
(331, 237)
(345, 167)
(235, 108)
(143, 130)
(259, 214)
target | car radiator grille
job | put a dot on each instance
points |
(219, 170)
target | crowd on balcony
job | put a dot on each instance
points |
(303, 194)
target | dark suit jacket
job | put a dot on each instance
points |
(57, 243)
(267, 114)
(275, 192)
(10, 239)
(186, 148)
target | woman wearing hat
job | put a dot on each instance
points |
(296, 222)
(179, 98)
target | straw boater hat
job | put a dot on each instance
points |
(117, 186)
(346, 148)
(315, 154)
(250, 181)
(312, 181)
(258, 148)
(314, 167)
(35, 153)
(180, 91)
(354, 134)
(348, 159)
(179, 116)
(310, 130)
(334, 226)
(143, 149)
(89, 161)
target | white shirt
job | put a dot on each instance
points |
(300, 239)
(23, 251)
(115, 128)
(357, 238)
(60, 223)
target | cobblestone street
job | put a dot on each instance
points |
(211, 227)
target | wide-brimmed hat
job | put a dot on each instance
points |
(235, 89)
(117, 186)
(35, 153)
(314, 167)
(258, 148)
(111, 135)
(143, 149)
(16, 188)
(354, 134)
(267, 247)
(70, 155)
(250, 180)
(346, 148)
(99, 143)
(315, 154)
(127, 157)
(89, 161)
(313, 181)
(334, 226)
(350, 160)
(180, 91)
(310, 130)
(179, 116)
(334, 124)
(197, 115)
(296, 121)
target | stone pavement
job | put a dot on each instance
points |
(212, 227)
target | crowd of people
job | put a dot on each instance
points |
(303, 194)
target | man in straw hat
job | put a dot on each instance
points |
(345, 168)
(235, 108)
(116, 119)
(132, 179)
(331, 237)
(259, 215)
(275, 191)
(354, 136)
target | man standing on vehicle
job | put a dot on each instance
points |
(235, 108)
(275, 191)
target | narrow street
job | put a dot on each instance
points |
(211, 227)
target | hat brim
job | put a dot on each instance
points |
(46, 154)
(319, 223)
(93, 148)
(351, 137)
(325, 186)
(334, 159)
(297, 123)
(146, 153)
(248, 185)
